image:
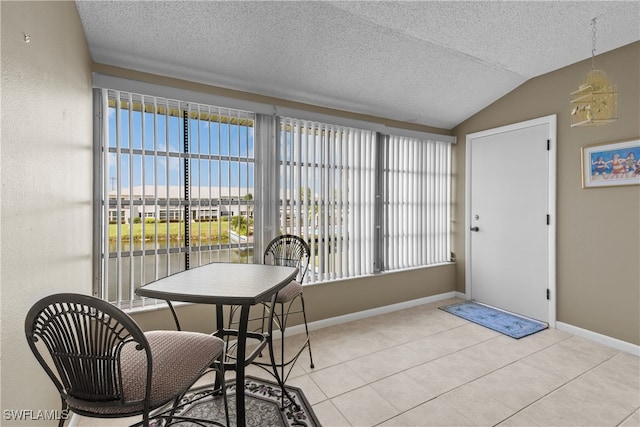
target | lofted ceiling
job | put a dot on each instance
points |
(433, 63)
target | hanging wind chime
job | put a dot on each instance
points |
(596, 100)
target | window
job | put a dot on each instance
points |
(182, 184)
(365, 202)
(327, 187)
(177, 189)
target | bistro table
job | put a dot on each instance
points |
(223, 284)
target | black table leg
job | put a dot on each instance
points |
(240, 365)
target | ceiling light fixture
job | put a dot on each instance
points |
(596, 100)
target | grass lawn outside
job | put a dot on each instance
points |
(203, 230)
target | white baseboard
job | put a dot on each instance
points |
(332, 321)
(584, 333)
(599, 338)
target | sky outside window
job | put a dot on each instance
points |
(221, 153)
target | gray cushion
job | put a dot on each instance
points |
(289, 292)
(179, 359)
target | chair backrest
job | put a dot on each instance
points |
(291, 251)
(84, 337)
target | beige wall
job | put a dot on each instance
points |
(46, 175)
(350, 296)
(324, 301)
(251, 97)
(598, 230)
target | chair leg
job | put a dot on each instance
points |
(233, 310)
(280, 319)
(279, 363)
(283, 323)
(264, 317)
(223, 388)
(306, 328)
(175, 316)
(283, 326)
(176, 403)
(64, 414)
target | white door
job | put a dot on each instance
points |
(509, 206)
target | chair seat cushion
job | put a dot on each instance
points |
(289, 292)
(179, 359)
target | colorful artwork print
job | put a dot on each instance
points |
(611, 164)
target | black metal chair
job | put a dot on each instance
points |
(105, 366)
(292, 251)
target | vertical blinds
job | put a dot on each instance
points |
(417, 188)
(327, 195)
(184, 184)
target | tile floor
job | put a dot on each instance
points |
(424, 367)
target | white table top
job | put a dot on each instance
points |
(222, 283)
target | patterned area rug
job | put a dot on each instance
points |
(262, 405)
(500, 321)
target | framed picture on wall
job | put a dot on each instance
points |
(611, 164)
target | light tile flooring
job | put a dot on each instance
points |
(424, 367)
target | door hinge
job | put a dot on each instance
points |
(548, 294)
(548, 145)
(548, 219)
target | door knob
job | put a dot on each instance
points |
(475, 228)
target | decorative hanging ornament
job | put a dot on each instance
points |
(596, 100)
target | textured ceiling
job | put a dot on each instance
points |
(429, 62)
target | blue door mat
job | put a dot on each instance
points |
(500, 321)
